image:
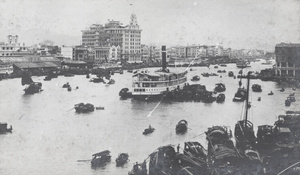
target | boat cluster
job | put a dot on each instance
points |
(197, 93)
(290, 99)
(272, 150)
(102, 158)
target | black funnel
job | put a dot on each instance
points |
(164, 57)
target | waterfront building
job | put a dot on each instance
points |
(107, 53)
(287, 59)
(115, 38)
(12, 47)
(192, 51)
(67, 52)
(145, 53)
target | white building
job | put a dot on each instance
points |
(67, 52)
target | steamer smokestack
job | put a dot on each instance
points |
(164, 57)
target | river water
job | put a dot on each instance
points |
(49, 137)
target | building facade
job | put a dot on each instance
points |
(125, 40)
(12, 47)
(287, 60)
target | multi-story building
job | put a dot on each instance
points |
(13, 48)
(192, 51)
(67, 52)
(114, 34)
(287, 59)
(145, 53)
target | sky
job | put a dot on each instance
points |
(239, 24)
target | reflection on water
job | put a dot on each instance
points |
(49, 136)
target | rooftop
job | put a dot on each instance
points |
(288, 45)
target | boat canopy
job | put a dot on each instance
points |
(103, 153)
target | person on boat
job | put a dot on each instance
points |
(136, 166)
(178, 147)
(150, 127)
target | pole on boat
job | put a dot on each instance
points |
(164, 57)
(247, 97)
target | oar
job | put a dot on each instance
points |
(70, 109)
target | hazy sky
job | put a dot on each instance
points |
(238, 24)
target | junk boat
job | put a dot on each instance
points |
(265, 137)
(220, 98)
(195, 78)
(181, 127)
(31, 87)
(122, 159)
(256, 88)
(148, 130)
(101, 158)
(146, 83)
(220, 87)
(4, 129)
(222, 155)
(244, 133)
(84, 108)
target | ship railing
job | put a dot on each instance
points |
(159, 81)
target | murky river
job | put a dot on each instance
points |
(49, 137)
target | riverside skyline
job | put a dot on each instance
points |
(236, 24)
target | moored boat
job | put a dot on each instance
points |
(66, 85)
(256, 88)
(149, 130)
(84, 108)
(97, 80)
(4, 129)
(111, 81)
(122, 159)
(287, 102)
(101, 158)
(47, 78)
(245, 137)
(222, 155)
(124, 93)
(181, 127)
(220, 87)
(220, 98)
(240, 95)
(265, 137)
(195, 78)
(31, 86)
(147, 83)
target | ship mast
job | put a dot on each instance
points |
(247, 97)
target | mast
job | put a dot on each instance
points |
(247, 96)
(164, 58)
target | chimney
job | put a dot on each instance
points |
(164, 57)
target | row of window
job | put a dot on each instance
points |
(7, 54)
(11, 48)
(143, 90)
